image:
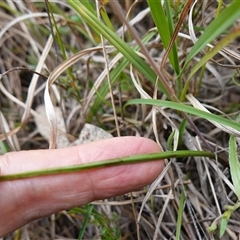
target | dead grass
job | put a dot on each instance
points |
(204, 185)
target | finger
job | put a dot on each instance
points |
(28, 199)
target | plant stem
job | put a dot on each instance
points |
(106, 163)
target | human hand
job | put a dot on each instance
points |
(24, 200)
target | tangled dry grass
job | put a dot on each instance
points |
(194, 189)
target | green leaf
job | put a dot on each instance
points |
(180, 216)
(170, 140)
(88, 4)
(212, 228)
(215, 28)
(174, 49)
(114, 75)
(117, 42)
(89, 209)
(234, 164)
(106, 19)
(165, 28)
(181, 131)
(223, 226)
(209, 55)
(183, 108)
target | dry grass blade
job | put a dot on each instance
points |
(4, 129)
(225, 52)
(176, 31)
(34, 80)
(145, 95)
(151, 189)
(164, 209)
(108, 54)
(51, 79)
(99, 81)
(117, 8)
(19, 20)
(198, 105)
(98, 7)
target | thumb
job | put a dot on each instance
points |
(24, 200)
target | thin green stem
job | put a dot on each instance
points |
(107, 163)
(89, 209)
(219, 8)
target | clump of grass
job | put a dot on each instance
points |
(134, 72)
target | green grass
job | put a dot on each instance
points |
(172, 70)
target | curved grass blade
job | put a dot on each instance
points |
(221, 44)
(234, 164)
(188, 109)
(180, 216)
(227, 17)
(89, 209)
(164, 28)
(114, 76)
(122, 46)
(226, 216)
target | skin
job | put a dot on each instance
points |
(22, 201)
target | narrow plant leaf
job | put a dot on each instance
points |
(234, 165)
(234, 33)
(223, 226)
(122, 46)
(209, 55)
(165, 27)
(182, 128)
(88, 5)
(183, 108)
(220, 2)
(174, 34)
(170, 140)
(162, 25)
(106, 19)
(89, 209)
(51, 117)
(160, 21)
(212, 228)
(57, 38)
(225, 218)
(196, 104)
(114, 75)
(180, 216)
(227, 17)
